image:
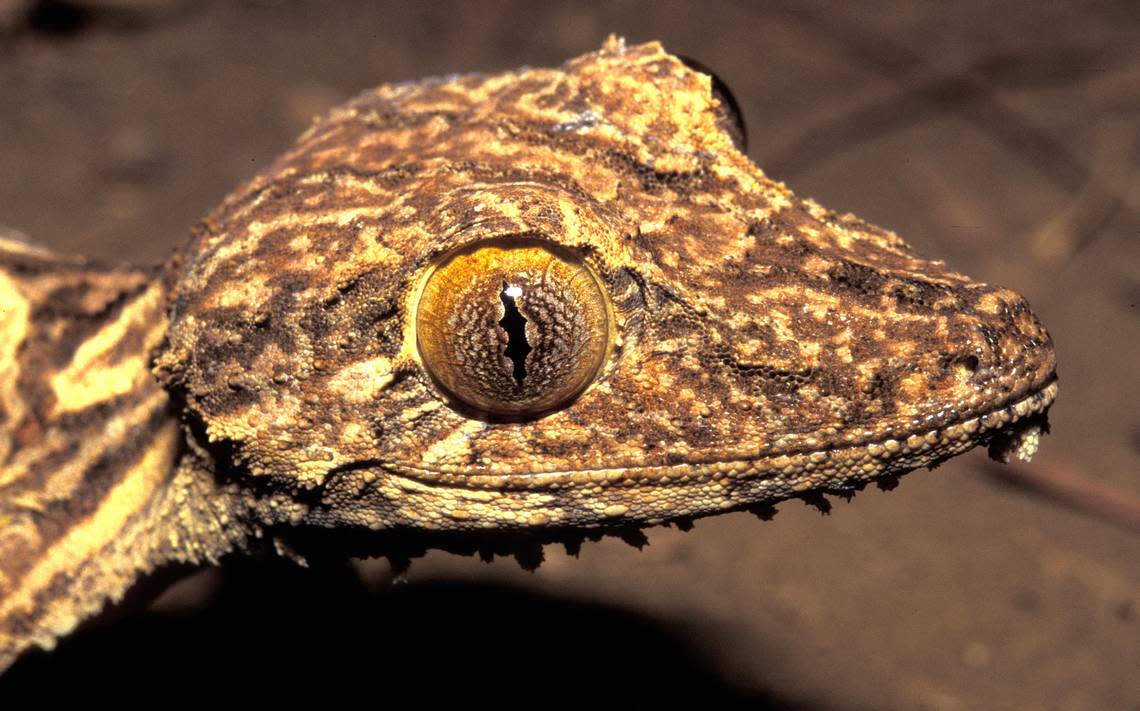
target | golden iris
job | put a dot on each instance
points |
(514, 327)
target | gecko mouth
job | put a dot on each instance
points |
(1012, 429)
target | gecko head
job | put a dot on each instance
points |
(566, 297)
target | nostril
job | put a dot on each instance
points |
(964, 368)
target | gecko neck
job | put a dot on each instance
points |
(90, 450)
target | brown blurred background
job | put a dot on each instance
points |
(1002, 137)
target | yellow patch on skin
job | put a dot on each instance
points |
(780, 323)
(502, 207)
(991, 302)
(300, 243)
(90, 378)
(414, 413)
(749, 349)
(14, 310)
(242, 293)
(912, 386)
(454, 446)
(363, 381)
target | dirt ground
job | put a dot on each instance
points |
(1002, 137)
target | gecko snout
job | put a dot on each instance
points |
(1014, 352)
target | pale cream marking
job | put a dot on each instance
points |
(455, 445)
(82, 542)
(363, 381)
(89, 378)
(63, 481)
(14, 313)
(12, 241)
(240, 292)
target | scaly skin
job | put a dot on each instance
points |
(271, 381)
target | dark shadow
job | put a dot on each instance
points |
(67, 18)
(276, 630)
(52, 17)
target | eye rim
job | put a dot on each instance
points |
(456, 400)
(733, 119)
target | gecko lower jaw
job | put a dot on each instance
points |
(1012, 429)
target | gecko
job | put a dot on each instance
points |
(481, 313)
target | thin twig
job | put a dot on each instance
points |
(1073, 488)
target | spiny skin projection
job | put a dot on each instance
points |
(333, 350)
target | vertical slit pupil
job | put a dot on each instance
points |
(515, 326)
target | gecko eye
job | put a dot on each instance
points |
(731, 119)
(513, 328)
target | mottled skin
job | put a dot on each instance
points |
(269, 381)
